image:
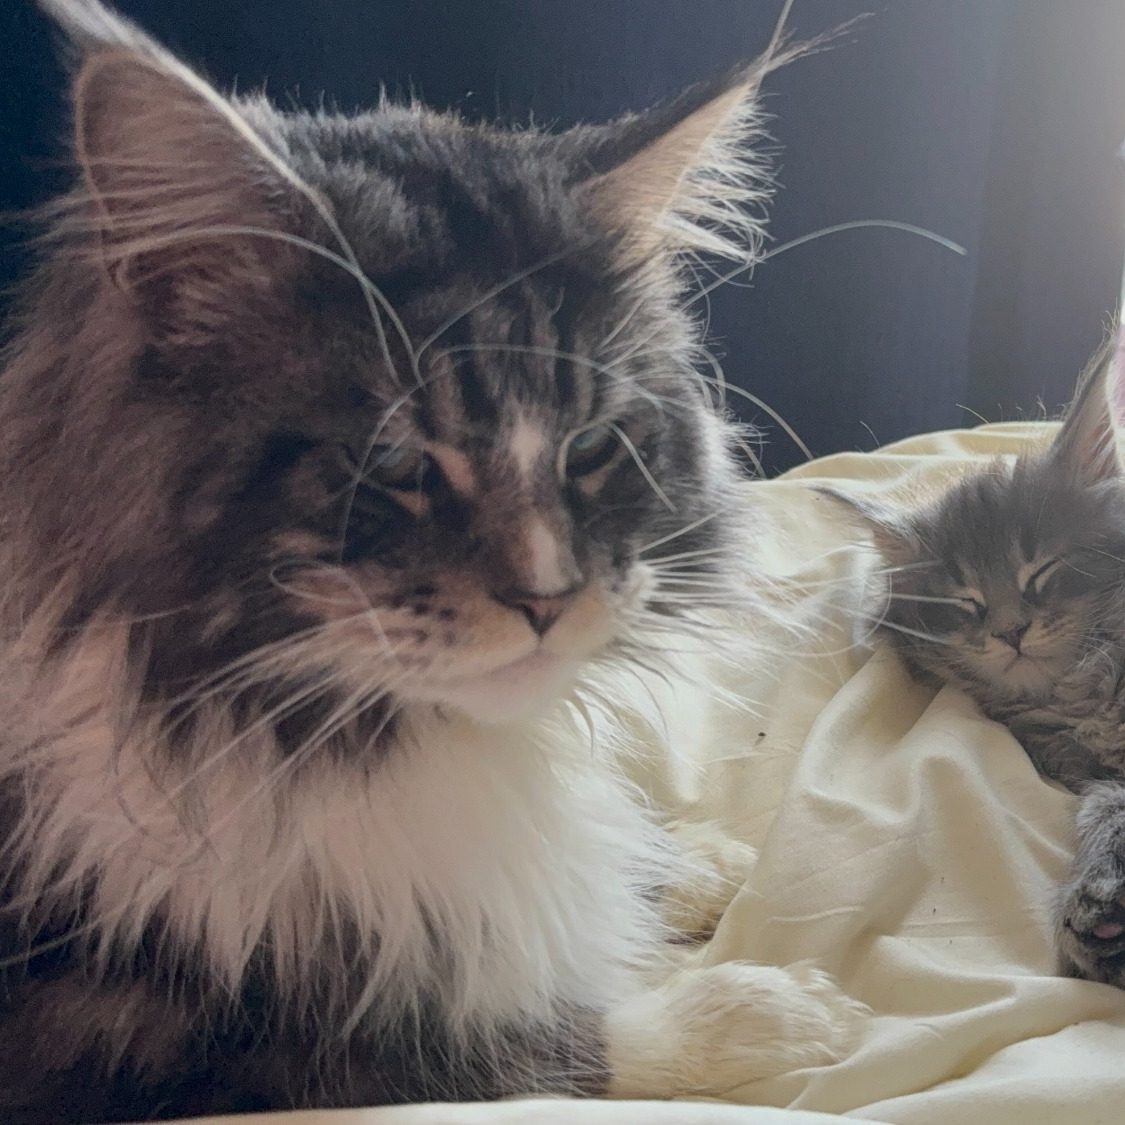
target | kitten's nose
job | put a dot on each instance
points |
(541, 610)
(1012, 636)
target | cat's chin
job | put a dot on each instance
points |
(513, 692)
(1028, 676)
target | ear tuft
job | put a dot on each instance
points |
(1087, 447)
(695, 182)
(890, 531)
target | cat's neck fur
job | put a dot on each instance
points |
(462, 831)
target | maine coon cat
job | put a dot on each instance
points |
(335, 451)
(1011, 585)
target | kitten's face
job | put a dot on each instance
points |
(1013, 582)
(401, 406)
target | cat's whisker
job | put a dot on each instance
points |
(683, 556)
(838, 228)
(621, 325)
(350, 709)
(372, 293)
(606, 370)
(685, 530)
(645, 471)
(488, 295)
(720, 383)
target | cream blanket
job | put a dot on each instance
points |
(905, 843)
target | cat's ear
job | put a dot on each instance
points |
(684, 176)
(1087, 447)
(169, 165)
(891, 531)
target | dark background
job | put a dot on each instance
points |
(995, 123)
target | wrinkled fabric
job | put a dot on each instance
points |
(905, 842)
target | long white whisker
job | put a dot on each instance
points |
(685, 530)
(623, 437)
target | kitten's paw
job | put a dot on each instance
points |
(707, 1031)
(720, 868)
(1091, 935)
(1091, 917)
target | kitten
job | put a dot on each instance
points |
(335, 451)
(1011, 586)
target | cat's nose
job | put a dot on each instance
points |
(1012, 636)
(541, 610)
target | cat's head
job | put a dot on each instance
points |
(385, 403)
(1015, 577)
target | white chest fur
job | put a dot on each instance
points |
(498, 869)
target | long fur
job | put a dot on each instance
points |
(356, 475)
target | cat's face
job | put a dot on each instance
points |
(1013, 582)
(377, 408)
(468, 522)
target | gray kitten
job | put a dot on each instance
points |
(1012, 587)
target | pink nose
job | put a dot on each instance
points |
(541, 610)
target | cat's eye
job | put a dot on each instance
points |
(971, 605)
(591, 449)
(397, 466)
(1036, 580)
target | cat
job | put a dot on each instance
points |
(338, 453)
(1011, 586)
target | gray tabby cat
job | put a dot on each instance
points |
(334, 452)
(1012, 587)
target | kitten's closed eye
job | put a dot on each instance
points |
(972, 604)
(1033, 586)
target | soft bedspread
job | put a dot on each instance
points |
(905, 843)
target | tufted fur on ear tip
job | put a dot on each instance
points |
(689, 176)
(890, 531)
(1088, 447)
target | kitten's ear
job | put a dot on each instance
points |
(1087, 447)
(167, 160)
(891, 531)
(684, 176)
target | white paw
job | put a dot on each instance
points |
(707, 1031)
(719, 869)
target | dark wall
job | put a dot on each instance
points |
(992, 122)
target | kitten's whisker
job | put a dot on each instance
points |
(1096, 551)
(885, 624)
(933, 600)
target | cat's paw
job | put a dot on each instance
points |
(1091, 917)
(1091, 932)
(709, 1030)
(720, 867)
